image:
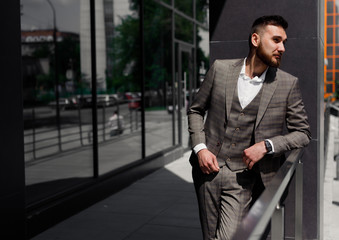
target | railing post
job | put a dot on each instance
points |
(80, 123)
(130, 119)
(336, 159)
(277, 223)
(104, 121)
(299, 201)
(33, 121)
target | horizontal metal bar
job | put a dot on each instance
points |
(255, 222)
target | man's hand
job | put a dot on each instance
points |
(207, 161)
(253, 154)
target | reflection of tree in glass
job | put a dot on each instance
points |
(157, 44)
(68, 58)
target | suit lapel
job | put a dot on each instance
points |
(231, 82)
(269, 88)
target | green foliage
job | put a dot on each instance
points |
(125, 56)
(157, 33)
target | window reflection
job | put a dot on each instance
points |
(57, 85)
(57, 121)
(158, 77)
(119, 119)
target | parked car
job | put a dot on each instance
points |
(102, 100)
(134, 100)
(64, 103)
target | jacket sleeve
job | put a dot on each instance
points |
(197, 110)
(298, 135)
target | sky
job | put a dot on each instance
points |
(37, 14)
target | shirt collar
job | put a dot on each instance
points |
(256, 79)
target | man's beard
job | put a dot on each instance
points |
(266, 58)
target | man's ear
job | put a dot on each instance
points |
(255, 39)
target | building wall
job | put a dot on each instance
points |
(12, 181)
(85, 41)
(230, 23)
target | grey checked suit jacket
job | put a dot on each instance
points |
(281, 105)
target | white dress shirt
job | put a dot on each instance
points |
(248, 88)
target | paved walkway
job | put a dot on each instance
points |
(331, 186)
(163, 206)
(159, 206)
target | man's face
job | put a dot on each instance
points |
(271, 45)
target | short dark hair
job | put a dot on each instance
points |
(263, 21)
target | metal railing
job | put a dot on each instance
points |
(269, 207)
(40, 143)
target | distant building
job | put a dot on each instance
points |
(31, 40)
(108, 14)
(331, 49)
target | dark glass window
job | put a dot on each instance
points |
(166, 1)
(185, 7)
(336, 75)
(329, 35)
(330, 7)
(57, 86)
(329, 51)
(329, 88)
(183, 29)
(56, 79)
(158, 77)
(119, 98)
(330, 63)
(201, 11)
(329, 76)
(329, 20)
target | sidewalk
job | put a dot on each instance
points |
(160, 206)
(163, 206)
(331, 186)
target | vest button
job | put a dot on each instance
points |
(228, 159)
(218, 144)
(237, 129)
(242, 114)
(233, 144)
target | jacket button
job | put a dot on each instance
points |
(218, 144)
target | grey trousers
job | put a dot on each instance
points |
(224, 198)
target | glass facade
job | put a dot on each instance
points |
(142, 85)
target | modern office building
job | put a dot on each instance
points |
(104, 104)
(331, 68)
(82, 117)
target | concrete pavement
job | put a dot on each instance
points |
(159, 206)
(163, 206)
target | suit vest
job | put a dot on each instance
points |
(239, 132)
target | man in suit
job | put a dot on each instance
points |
(236, 126)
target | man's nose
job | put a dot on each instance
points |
(281, 47)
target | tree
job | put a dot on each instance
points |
(157, 34)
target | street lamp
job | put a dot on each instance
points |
(56, 78)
